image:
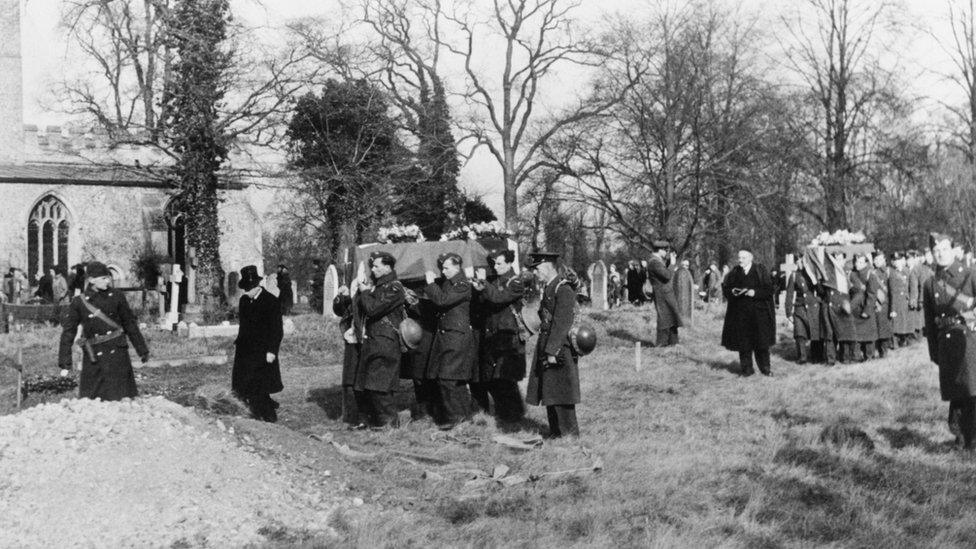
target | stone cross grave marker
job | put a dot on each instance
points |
(330, 288)
(598, 286)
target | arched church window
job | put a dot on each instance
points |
(47, 236)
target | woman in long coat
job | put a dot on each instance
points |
(902, 325)
(864, 291)
(750, 321)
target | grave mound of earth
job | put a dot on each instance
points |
(143, 472)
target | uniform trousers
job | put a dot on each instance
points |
(426, 395)
(962, 421)
(562, 420)
(454, 401)
(667, 337)
(509, 406)
(378, 407)
(762, 359)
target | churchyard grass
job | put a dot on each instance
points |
(691, 454)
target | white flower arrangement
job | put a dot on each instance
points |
(474, 231)
(840, 237)
(400, 233)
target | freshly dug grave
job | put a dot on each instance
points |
(145, 472)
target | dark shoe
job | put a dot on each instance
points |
(747, 373)
(831, 363)
(767, 373)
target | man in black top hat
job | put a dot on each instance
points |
(106, 321)
(257, 372)
(554, 379)
(381, 304)
(665, 303)
(452, 358)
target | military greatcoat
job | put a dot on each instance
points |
(882, 314)
(864, 290)
(454, 349)
(382, 308)
(503, 351)
(555, 384)
(803, 306)
(260, 333)
(665, 303)
(898, 296)
(110, 377)
(952, 345)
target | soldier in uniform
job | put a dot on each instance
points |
(554, 379)
(381, 304)
(257, 373)
(452, 359)
(900, 309)
(864, 291)
(502, 356)
(882, 314)
(106, 321)
(946, 296)
(803, 309)
(668, 315)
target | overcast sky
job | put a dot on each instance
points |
(47, 55)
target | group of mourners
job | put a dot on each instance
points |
(469, 351)
(881, 310)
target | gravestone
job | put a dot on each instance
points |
(271, 284)
(598, 286)
(330, 288)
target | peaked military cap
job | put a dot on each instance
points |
(537, 258)
(448, 255)
(509, 255)
(96, 269)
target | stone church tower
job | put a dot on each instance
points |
(11, 85)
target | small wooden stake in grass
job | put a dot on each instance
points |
(20, 373)
(637, 357)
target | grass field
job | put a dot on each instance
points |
(690, 454)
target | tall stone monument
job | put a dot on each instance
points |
(598, 286)
(11, 85)
(329, 290)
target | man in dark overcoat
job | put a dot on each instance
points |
(902, 326)
(946, 296)
(285, 296)
(106, 321)
(882, 313)
(554, 379)
(257, 372)
(502, 356)
(634, 278)
(864, 291)
(382, 306)
(452, 359)
(803, 310)
(750, 320)
(350, 328)
(668, 313)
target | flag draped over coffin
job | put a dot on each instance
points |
(824, 268)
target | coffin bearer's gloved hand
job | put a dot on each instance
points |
(269, 357)
(65, 372)
(552, 361)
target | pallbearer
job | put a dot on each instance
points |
(452, 359)
(803, 309)
(554, 379)
(502, 356)
(883, 313)
(106, 321)
(901, 310)
(864, 306)
(952, 345)
(381, 304)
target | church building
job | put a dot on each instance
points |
(67, 196)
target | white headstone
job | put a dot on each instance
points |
(329, 290)
(598, 286)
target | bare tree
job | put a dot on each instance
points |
(847, 85)
(962, 51)
(537, 40)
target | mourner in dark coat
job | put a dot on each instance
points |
(803, 310)
(949, 293)
(106, 321)
(452, 359)
(668, 313)
(901, 309)
(257, 373)
(882, 314)
(864, 302)
(502, 356)
(350, 327)
(554, 379)
(285, 295)
(635, 278)
(318, 285)
(750, 321)
(382, 306)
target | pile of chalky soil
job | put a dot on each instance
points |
(145, 473)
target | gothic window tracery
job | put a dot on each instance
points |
(48, 228)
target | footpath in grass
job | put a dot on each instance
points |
(688, 453)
